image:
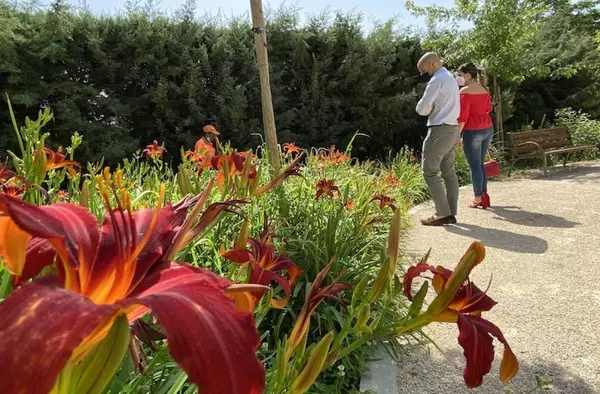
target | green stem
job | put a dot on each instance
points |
(414, 324)
(353, 346)
(14, 122)
(5, 283)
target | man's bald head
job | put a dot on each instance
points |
(429, 63)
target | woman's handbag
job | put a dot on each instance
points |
(492, 168)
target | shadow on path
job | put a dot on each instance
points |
(500, 239)
(516, 215)
(418, 366)
(573, 173)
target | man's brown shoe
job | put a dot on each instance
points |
(432, 221)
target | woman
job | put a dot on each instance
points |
(476, 127)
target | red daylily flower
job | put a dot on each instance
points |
(56, 160)
(290, 148)
(465, 306)
(349, 204)
(265, 262)
(314, 297)
(326, 187)
(12, 189)
(63, 196)
(154, 151)
(4, 173)
(384, 202)
(123, 266)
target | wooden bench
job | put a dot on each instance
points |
(543, 143)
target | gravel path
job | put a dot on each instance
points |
(542, 237)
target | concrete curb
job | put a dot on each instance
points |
(381, 374)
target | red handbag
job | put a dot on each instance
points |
(492, 168)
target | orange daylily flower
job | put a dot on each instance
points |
(290, 148)
(154, 151)
(391, 180)
(349, 204)
(56, 160)
(232, 165)
(201, 161)
(333, 157)
(62, 195)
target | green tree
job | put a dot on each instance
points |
(501, 31)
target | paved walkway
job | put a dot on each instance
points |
(542, 237)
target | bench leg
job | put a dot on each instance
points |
(512, 164)
(566, 159)
(545, 164)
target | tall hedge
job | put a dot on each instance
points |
(125, 80)
(122, 81)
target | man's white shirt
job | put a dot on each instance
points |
(443, 92)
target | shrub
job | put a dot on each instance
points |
(584, 131)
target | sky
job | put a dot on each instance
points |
(372, 10)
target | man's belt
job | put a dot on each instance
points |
(442, 125)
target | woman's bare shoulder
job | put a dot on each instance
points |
(473, 89)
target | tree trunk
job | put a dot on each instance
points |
(260, 40)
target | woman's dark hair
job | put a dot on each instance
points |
(478, 74)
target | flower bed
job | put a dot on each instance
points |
(215, 278)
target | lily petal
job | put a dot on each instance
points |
(475, 339)
(45, 325)
(71, 229)
(42, 323)
(239, 256)
(412, 273)
(189, 304)
(40, 254)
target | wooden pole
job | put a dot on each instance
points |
(498, 111)
(260, 40)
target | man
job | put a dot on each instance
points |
(441, 103)
(206, 145)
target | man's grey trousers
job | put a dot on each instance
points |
(438, 156)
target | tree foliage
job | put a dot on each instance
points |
(499, 30)
(122, 81)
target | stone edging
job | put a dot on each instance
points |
(381, 375)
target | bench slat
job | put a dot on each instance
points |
(541, 133)
(546, 138)
(544, 144)
(541, 139)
